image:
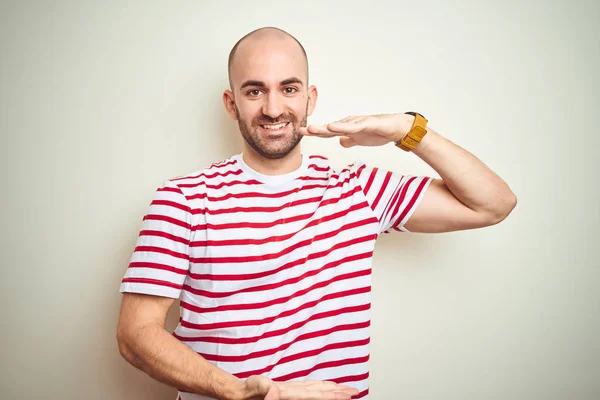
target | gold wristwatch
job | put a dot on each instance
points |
(416, 133)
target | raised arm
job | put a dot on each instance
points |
(469, 194)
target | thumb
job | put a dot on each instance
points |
(346, 141)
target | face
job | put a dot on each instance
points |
(272, 138)
(269, 98)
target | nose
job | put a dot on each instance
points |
(273, 105)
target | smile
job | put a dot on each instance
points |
(276, 126)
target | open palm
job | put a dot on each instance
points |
(298, 390)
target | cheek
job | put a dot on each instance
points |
(299, 109)
(248, 112)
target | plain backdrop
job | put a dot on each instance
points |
(100, 101)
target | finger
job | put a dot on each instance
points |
(347, 390)
(347, 142)
(325, 385)
(350, 126)
(326, 389)
(321, 131)
(300, 394)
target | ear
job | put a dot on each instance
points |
(312, 99)
(229, 102)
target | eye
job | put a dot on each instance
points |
(253, 92)
(290, 90)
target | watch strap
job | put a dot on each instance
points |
(415, 134)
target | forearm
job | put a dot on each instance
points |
(153, 350)
(470, 180)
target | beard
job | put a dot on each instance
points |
(272, 148)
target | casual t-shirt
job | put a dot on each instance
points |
(273, 272)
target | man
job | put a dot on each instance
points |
(270, 250)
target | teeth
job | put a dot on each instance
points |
(273, 127)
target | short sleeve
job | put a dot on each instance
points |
(393, 197)
(160, 261)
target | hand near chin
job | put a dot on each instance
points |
(368, 130)
(263, 388)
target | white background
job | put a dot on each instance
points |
(100, 101)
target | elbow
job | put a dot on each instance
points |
(501, 212)
(129, 347)
(123, 342)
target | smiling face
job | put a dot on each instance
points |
(269, 96)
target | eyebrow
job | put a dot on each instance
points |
(262, 84)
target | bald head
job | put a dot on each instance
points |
(260, 41)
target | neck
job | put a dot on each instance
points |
(267, 166)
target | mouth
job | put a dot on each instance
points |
(275, 128)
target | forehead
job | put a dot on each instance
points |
(268, 60)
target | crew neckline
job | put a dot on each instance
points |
(272, 179)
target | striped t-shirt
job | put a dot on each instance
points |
(273, 272)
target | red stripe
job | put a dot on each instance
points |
(318, 156)
(231, 324)
(405, 187)
(317, 168)
(160, 250)
(275, 239)
(149, 232)
(400, 193)
(361, 394)
(281, 253)
(170, 189)
(328, 364)
(316, 178)
(222, 164)
(239, 225)
(331, 346)
(360, 169)
(349, 378)
(277, 208)
(262, 274)
(170, 203)
(331, 176)
(391, 202)
(382, 189)
(152, 282)
(371, 179)
(412, 200)
(217, 165)
(305, 354)
(163, 218)
(163, 267)
(306, 336)
(209, 176)
(290, 281)
(272, 302)
(278, 332)
(251, 182)
(310, 335)
(245, 195)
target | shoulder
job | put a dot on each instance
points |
(318, 163)
(198, 180)
(354, 170)
(348, 172)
